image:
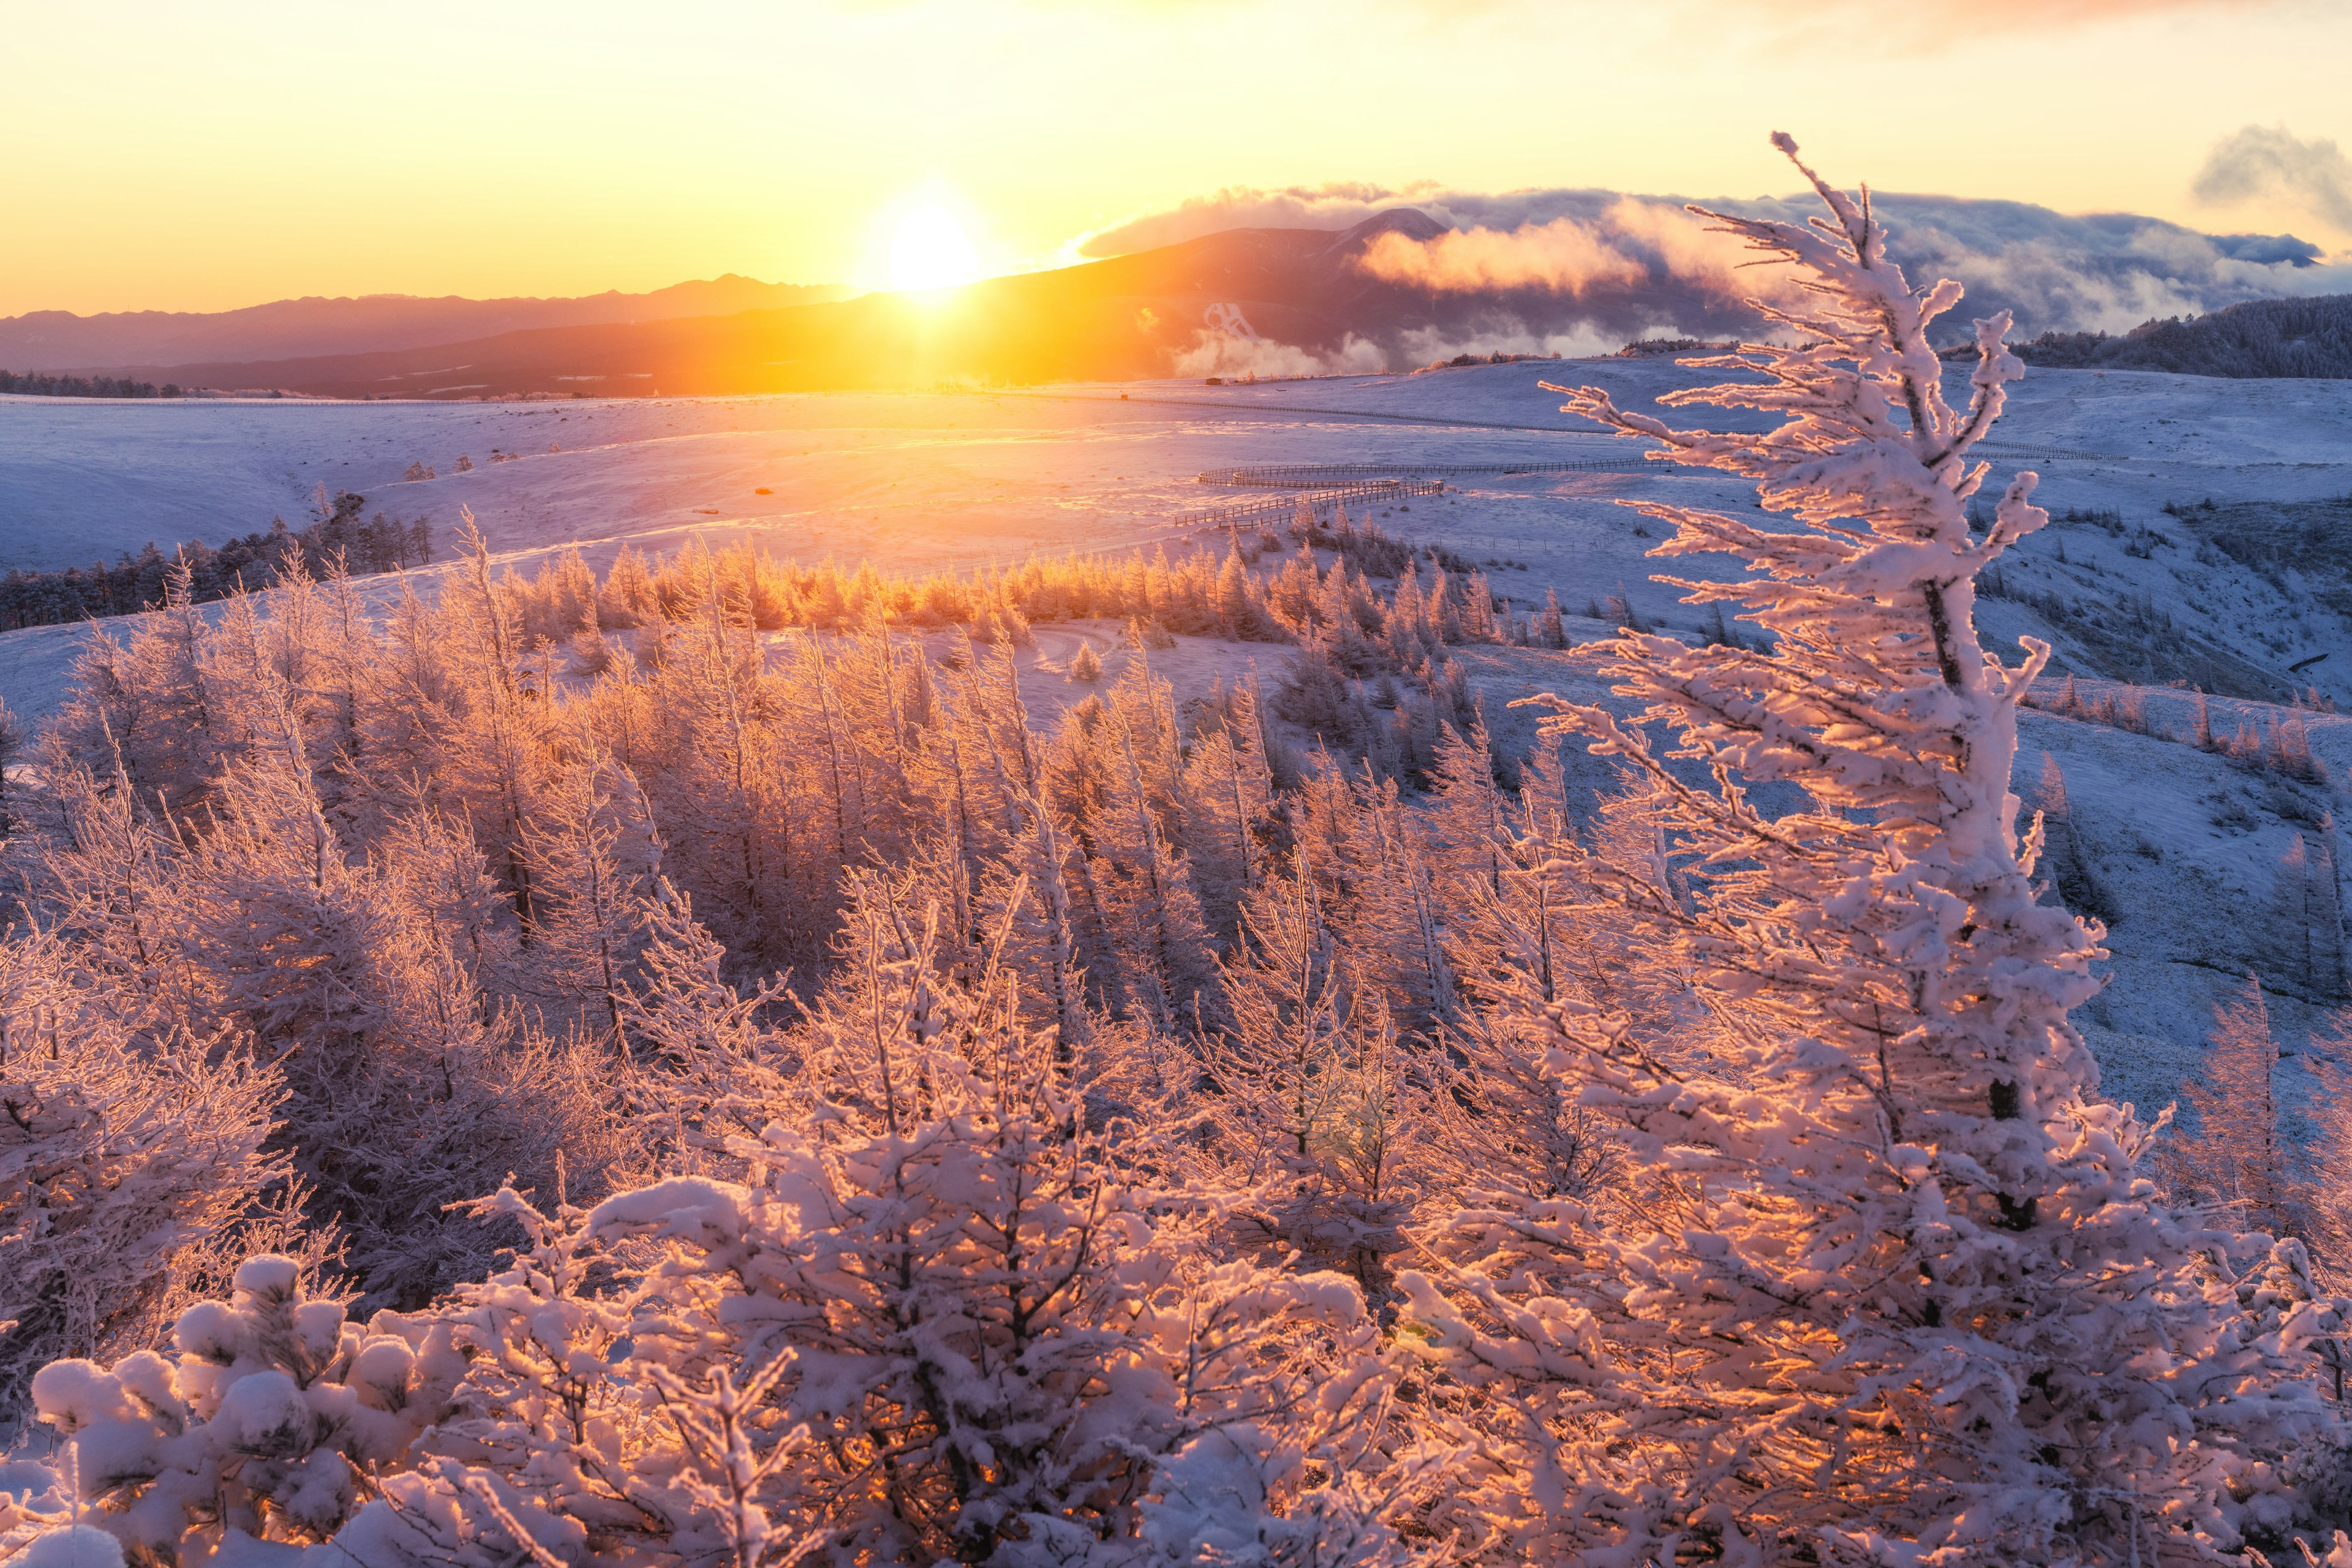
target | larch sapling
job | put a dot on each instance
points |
(2237, 1160)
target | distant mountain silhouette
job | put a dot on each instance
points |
(150, 341)
(2296, 338)
(1128, 317)
(1222, 300)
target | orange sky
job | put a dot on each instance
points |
(177, 157)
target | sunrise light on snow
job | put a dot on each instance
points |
(1175, 783)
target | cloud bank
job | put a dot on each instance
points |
(1568, 261)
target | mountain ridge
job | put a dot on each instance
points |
(319, 325)
(1236, 302)
(1294, 292)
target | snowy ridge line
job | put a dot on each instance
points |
(1317, 476)
(1285, 506)
(308, 400)
(1301, 409)
(999, 560)
(2175, 705)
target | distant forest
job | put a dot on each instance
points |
(134, 583)
(37, 383)
(2293, 338)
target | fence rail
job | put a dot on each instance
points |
(1317, 500)
(2047, 454)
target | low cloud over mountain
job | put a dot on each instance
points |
(1348, 279)
(1601, 260)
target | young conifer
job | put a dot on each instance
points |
(1895, 1289)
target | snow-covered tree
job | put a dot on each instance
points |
(1228, 801)
(2237, 1158)
(1889, 1284)
(2064, 862)
(911, 1307)
(2306, 926)
(596, 856)
(127, 1144)
(1311, 1104)
(275, 1419)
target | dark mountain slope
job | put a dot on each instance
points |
(149, 340)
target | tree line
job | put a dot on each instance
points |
(2308, 337)
(338, 537)
(38, 383)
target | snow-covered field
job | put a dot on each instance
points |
(2184, 846)
(919, 480)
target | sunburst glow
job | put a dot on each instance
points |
(931, 251)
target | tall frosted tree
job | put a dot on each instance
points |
(1889, 1284)
(2237, 1159)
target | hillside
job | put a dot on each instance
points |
(2266, 338)
(141, 342)
(1173, 831)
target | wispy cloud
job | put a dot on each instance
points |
(2019, 15)
(2268, 163)
(1845, 28)
(1333, 205)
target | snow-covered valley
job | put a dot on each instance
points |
(2248, 597)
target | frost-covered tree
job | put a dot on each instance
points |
(596, 855)
(127, 1144)
(2306, 927)
(2237, 1159)
(1890, 1286)
(1228, 800)
(1395, 922)
(899, 1298)
(1311, 1104)
(2064, 862)
(14, 739)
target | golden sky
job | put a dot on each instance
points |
(170, 157)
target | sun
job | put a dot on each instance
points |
(930, 251)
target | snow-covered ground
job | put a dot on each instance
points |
(959, 477)
(921, 481)
(2184, 846)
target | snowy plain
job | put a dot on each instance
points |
(2184, 846)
